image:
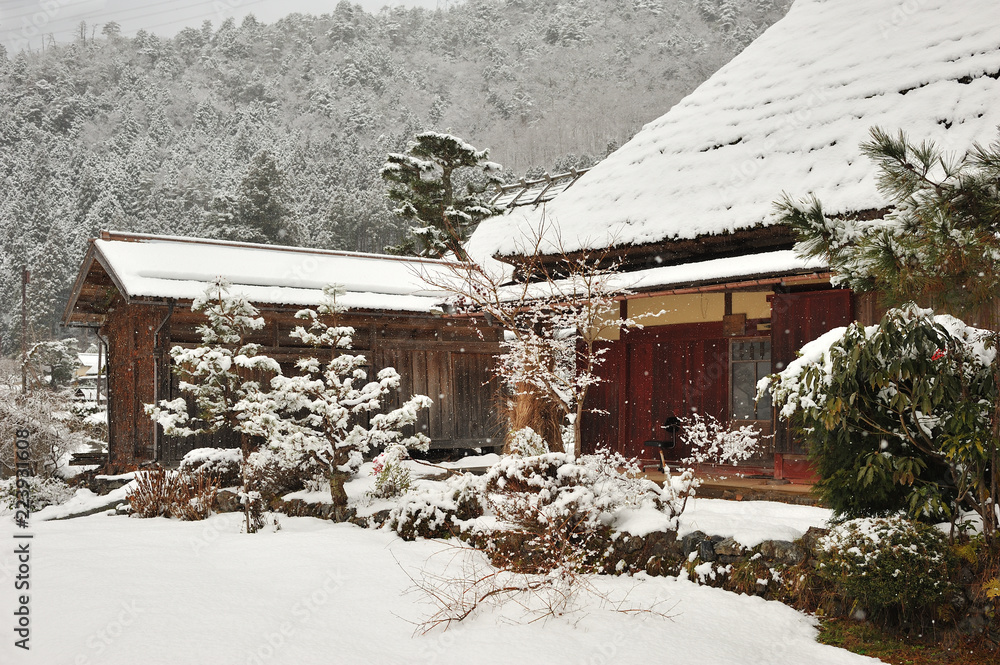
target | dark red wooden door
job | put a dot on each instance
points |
(673, 371)
(797, 318)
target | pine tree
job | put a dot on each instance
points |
(938, 244)
(217, 376)
(423, 183)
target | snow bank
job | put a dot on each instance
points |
(114, 590)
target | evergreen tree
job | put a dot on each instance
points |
(424, 182)
(938, 245)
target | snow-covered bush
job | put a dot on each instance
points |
(46, 414)
(392, 478)
(40, 491)
(712, 442)
(318, 414)
(526, 442)
(556, 511)
(53, 362)
(223, 464)
(897, 416)
(439, 510)
(162, 493)
(892, 567)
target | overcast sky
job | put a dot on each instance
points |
(26, 22)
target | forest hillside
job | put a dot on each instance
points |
(276, 133)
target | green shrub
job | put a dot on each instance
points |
(897, 416)
(891, 567)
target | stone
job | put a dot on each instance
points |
(227, 501)
(810, 540)
(729, 547)
(691, 541)
(782, 551)
(706, 550)
(343, 513)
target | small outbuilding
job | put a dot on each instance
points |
(136, 291)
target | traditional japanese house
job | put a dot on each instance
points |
(688, 204)
(136, 292)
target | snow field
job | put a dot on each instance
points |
(110, 589)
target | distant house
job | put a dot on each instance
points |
(688, 203)
(136, 292)
(89, 378)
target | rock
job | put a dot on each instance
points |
(104, 486)
(706, 550)
(691, 541)
(632, 544)
(342, 513)
(782, 551)
(810, 540)
(729, 547)
(227, 501)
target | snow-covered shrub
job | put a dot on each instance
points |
(897, 416)
(555, 511)
(439, 510)
(527, 443)
(889, 566)
(392, 478)
(272, 473)
(46, 415)
(162, 493)
(52, 361)
(40, 491)
(712, 442)
(318, 414)
(223, 464)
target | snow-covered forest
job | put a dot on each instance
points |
(277, 132)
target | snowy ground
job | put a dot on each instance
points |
(110, 589)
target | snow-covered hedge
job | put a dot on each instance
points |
(41, 492)
(222, 463)
(888, 564)
(545, 510)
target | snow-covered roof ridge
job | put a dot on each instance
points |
(786, 115)
(169, 267)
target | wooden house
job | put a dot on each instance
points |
(136, 292)
(688, 204)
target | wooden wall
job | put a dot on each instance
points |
(129, 331)
(450, 361)
(675, 370)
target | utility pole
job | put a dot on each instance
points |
(25, 278)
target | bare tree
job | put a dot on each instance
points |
(554, 308)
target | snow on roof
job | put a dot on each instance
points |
(733, 268)
(786, 115)
(173, 267)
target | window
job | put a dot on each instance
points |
(750, 361)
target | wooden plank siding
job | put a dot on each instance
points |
(131, 367)
(797, 318)
(449, 361)
(656, 372)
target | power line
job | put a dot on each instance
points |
(93, 16)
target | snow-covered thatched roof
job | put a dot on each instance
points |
(148, 267)
(786, 115)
